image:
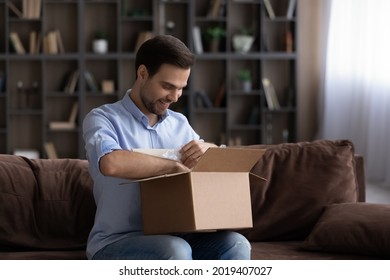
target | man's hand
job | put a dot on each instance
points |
(193, 151)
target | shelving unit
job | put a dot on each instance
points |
(241, 117)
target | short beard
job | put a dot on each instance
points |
(150, 106)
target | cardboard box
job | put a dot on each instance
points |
(214, 195)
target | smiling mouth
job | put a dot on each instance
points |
(165, 104)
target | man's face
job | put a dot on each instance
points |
(164, 88)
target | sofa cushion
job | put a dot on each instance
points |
(292, 250)
(302, 178)
(44, 204)
(355, 228)
(44, 255)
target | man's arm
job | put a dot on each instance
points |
(133, 165)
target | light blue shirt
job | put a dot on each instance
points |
(122, 126)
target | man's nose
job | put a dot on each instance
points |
(175, 95)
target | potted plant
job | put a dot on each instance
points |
(100, 42)
(245, 78)
(243, 40)
(214, 35)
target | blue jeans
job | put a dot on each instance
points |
(221, 245)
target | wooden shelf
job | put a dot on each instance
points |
(243, 117)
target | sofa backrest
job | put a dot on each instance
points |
(48, 204)
(302, 178)
(45, 204)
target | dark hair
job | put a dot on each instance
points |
(163, 49)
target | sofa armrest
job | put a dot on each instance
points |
(360, 177)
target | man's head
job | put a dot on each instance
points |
(163, 49)
(163, 66)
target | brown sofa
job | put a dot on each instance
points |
(307, 209)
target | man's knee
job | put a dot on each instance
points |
(240, 247)
(177, 249)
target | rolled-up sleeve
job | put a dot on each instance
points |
(99, 136)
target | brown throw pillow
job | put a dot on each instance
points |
(357, 228)
(45, 204)
(302, 178)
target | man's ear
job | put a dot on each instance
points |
(142, 72)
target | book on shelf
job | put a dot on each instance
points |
(47, 47)
(197, 37)
(73, 113)
(270, 95)
(15, 9)
(31, 9)
(291, 8)
(17, 43)
(90, 81)
(220, 98)
(61, 125)
(34, 42)
(60, 44)
(34, 8)
(53, 42)
(215, 7)
(202, 100)
(141, 38)
(50, 150)
(69, 124)
(37, 8)
(52, 47)
(289, 41)
(270, 10)
(71, 83)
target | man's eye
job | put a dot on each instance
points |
(168, 87)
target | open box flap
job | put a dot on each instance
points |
(253, 177)
(156, 177)
(228, 160)
(219, 160)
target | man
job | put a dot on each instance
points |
(142, 120)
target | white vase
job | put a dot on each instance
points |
(246, 86)
(242, 43)
(100, 46)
